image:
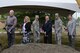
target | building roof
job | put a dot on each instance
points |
(52, 3)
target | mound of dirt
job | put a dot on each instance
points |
(39, 48)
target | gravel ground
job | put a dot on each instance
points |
(39, 48)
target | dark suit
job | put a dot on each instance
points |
(47, 27)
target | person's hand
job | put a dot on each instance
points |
(65, 29)
(9, 30)
(4, 28)
(72, 36)
(41, 30)
(44, 32)
(53, 26)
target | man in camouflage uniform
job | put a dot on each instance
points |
(58, 29)
(36, 29)
(71, 28)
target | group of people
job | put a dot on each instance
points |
(11, 22)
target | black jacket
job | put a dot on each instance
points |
(28, 27)
(47, 27)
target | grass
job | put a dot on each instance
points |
(18, 38)
(1, 30)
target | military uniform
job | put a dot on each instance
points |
(36, 31)
(71, 27)
(58, 30)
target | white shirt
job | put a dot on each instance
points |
(24, 27)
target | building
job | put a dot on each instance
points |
(52, 6)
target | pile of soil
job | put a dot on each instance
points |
(39, 48)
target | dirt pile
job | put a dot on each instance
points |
(39, 48)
